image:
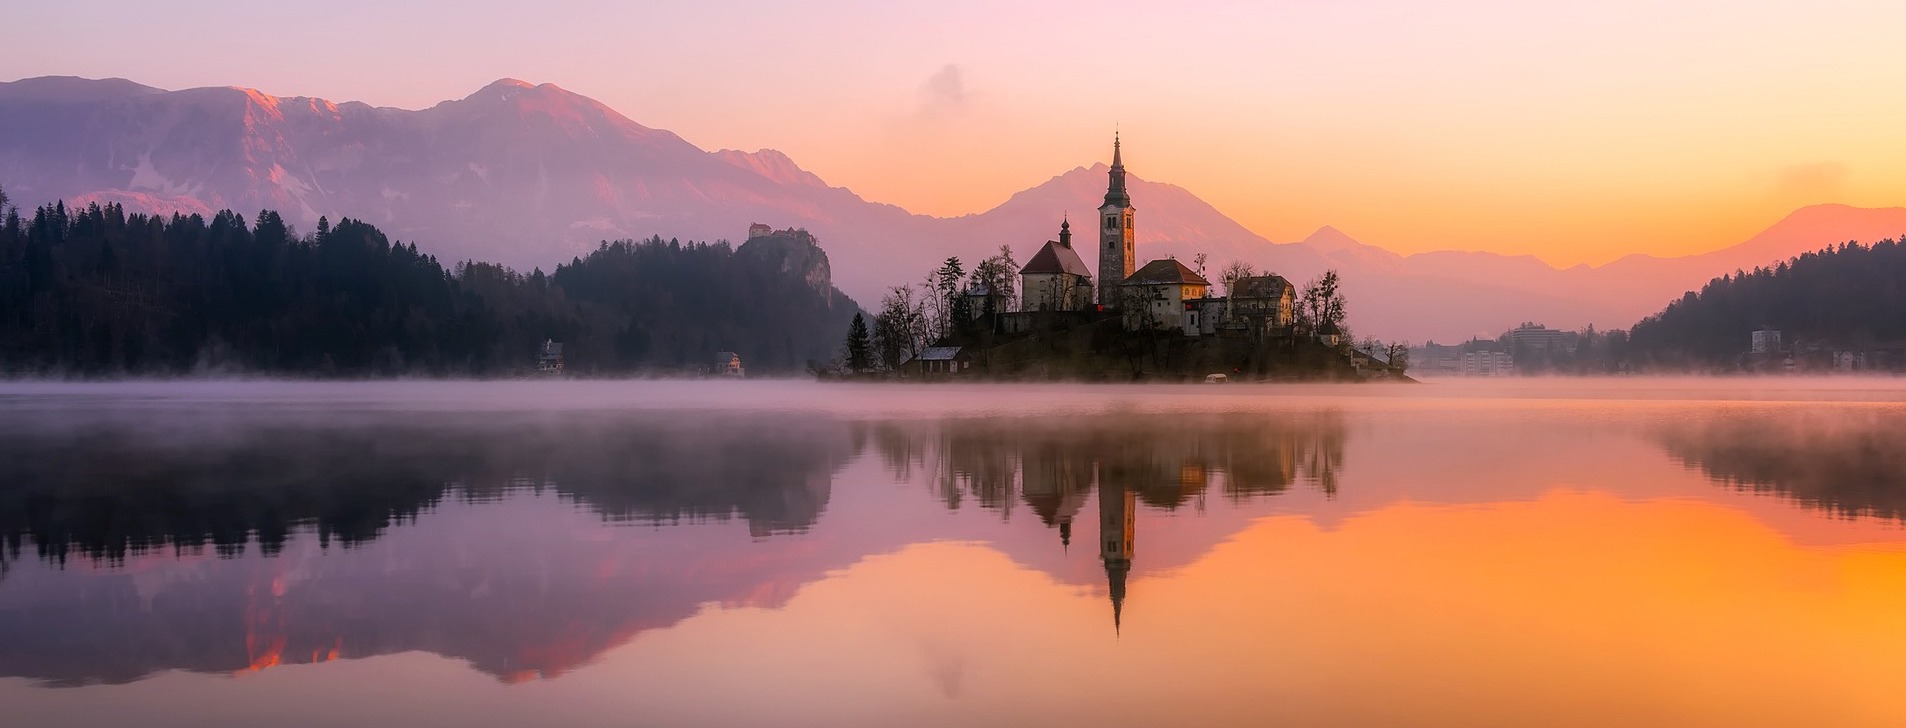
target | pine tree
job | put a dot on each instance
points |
(860, 346)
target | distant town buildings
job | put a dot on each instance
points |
(1487, 364)
(1535, 340)
(1474, 358)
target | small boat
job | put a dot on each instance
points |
(1216, 379)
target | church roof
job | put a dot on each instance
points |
(1115, 194)
(1056, 258)
(1167, 271)
(1264, 286)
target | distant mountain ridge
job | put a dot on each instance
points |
(531, 175)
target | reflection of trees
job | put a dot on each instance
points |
(1167, 460)
(109, 491)
(1849, 467)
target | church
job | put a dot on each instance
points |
(1162, 295)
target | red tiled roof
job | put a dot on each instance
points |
(1056, 258)
(1166, 272)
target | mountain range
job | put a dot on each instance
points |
(533, 175)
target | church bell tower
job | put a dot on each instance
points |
(1118, 250)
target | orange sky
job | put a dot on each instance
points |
(1576, 132)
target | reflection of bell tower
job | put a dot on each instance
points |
(1116, 525)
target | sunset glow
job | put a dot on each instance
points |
(1575, 133)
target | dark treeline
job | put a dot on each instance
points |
(1847, 298)
(98, 292)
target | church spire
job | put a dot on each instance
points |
(1065, 232)
(1115, 193)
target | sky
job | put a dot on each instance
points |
(1576, 132)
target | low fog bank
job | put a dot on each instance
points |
(27, 402)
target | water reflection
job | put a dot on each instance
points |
(241, 545)
(1849, 464)
(1165, 462)
(109, 491)
(1475, 564)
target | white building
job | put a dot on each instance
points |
(1162, 296)
(1766, 341)
(1488, 364)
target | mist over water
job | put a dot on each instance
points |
(1706, 551)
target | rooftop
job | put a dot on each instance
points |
(1264, 286)
(1056, 258)
(1166, 272)
(939, 353)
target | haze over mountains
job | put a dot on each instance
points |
(532, 175)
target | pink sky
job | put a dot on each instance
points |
(1577, 132)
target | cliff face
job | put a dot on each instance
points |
(794, 253)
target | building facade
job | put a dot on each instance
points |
(1263, 303)
(1156, 297)
(1765, 341)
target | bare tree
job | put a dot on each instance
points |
(1233, 271)
(1322, 304)
(1398, 355)
(899, 328)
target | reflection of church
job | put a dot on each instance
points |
(1162, 462)
(1056, 483)
(1117, 526)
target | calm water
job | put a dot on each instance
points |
(565, 553)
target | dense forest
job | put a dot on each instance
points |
(1847, 298)
(99, 292)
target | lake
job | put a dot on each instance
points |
(1460, 553)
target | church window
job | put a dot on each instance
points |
(1111, 223)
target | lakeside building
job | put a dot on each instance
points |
(1165, 295)
(1263, 303)
(728, 364)
(1765, 341)
(550, 359)
(940, 361)
(1533, 339)
(1488, 364)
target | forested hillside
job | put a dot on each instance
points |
(1851, 297)
(98, 292)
